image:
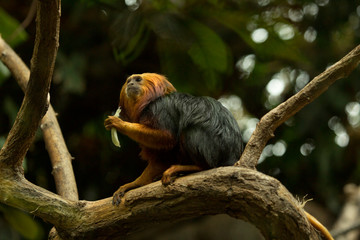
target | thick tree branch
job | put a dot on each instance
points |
(55, 143)
(34, 105)
(241, 193)
(270, 121)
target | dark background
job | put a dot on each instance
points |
(252, 55)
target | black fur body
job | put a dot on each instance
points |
(206, 132)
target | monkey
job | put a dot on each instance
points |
(177, 132)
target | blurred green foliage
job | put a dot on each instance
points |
(11, 31)
(261, 52)
(22, 222)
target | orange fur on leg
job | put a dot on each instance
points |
(153, 170)
(174, 169)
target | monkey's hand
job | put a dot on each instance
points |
(113, 122)
(144, 135)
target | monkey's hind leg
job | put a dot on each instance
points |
(153, 170)
(168, 175)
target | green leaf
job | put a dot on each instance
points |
(71, 71)
(4, 73)
(11, 30)
(130, 35)
(2, 141)
(272, 48)
(10, 108)
(208, 50)
(22, 223)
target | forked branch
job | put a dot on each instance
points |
(54, 140)
(35, 103)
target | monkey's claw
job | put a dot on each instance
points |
(118, 195)
(167, 179)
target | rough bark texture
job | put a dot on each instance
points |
(241, 193)
(60, 156)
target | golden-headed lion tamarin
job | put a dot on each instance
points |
(177, 132)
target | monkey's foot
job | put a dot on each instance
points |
(118, 195)
(167, 179)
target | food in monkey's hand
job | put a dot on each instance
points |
(114, 136)
(177, 132)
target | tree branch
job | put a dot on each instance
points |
(241, 193)
(55, 143)
(269, 122)
(34, 105)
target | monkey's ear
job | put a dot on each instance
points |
(161, 85)
(168, 86)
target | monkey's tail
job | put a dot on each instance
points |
(316, 224)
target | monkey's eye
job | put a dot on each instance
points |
(138, 79)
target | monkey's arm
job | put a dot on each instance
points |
(146, 136)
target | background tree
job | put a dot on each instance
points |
(251, 54)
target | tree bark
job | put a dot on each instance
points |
(242, 193)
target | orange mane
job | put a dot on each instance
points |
(153, 87)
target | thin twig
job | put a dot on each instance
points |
(29, 18)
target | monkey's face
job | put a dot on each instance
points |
(139, 90)
(133, 88)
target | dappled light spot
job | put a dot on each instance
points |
(296, 15)
(352, 110)
(263, 3)
(275, 87)
(246, 122)
(250, 125)
(310, 34)
(285, 31)
(246, 64)
(278, 149)
(311, 9)
(301, 80)
(259, 35)
(307, 148)
(322, 3)
(341, 137)
(133, 4)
